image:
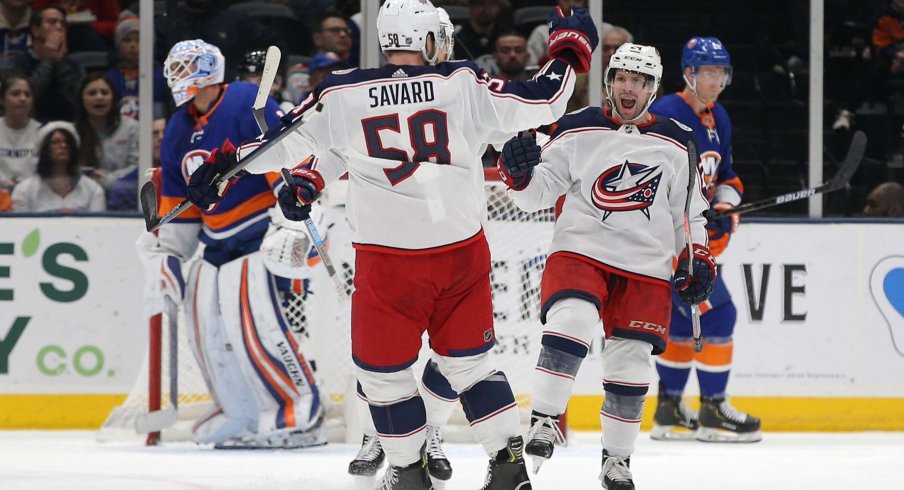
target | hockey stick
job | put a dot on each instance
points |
(318, 241)
(848, 166)
(271, 65)
(158, 420)
(691, 178)
(148, 196)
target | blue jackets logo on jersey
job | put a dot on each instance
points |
(626, 187)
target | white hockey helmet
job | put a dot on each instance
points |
(191, 65)
(635, 58)
(446, 43)
(405, 25)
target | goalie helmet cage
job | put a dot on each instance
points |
(518, 241)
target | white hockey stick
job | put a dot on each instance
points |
(691, 178)
(158, 420)
(271, 65)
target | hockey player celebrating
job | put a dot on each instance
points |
(410, 135)
(439, 397)
(262, 387)
(624, 175)
(707, 71)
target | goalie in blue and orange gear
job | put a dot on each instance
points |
(707, 71)
(264, 393)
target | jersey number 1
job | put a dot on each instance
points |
(424, 145)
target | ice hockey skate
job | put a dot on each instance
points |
(411, 477)
(673, 420)
(616, 474)
(369, 459)
(720, 422)
(437, 463)
(543, 436)
(507, 470)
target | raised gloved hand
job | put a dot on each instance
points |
(572, 38)
(202, 191)
(519, 157)
(721, 229)
(163, 278)
(696, 289)
(296, 203)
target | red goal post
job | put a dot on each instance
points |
(518, 244)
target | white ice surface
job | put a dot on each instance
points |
(73, 460)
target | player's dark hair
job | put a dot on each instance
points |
(45, 164)
(90, 139)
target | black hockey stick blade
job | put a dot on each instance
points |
(148, 198)
(850, 164)
(848, 167)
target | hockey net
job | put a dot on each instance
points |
(518, 244)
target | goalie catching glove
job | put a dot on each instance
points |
(201, 189)
(697, 288)
(572, 38)
(295, 200)
(519, 157)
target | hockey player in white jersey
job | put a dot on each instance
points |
(411, 135)
(439, 398)
(624, 175)
(262, 388)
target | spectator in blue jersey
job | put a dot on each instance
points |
(54, 77)
(14, 16)
(706, 67)
(124, 75)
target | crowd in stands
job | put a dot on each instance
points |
(69, 89)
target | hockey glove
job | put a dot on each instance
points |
(203, 190)
(519, 157)
(721, 229)
(696, 289)
(296, 203)
(572, 38)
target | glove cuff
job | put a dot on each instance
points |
(513, 183)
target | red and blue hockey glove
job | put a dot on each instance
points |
(696, 289)
(203, 190)
(519, 157)
(572, 38)
(296, 203)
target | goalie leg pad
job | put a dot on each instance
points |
(570, 324)
(276, 373)
(626, 379)
(397, 411)
(216, 359)
(439, 397)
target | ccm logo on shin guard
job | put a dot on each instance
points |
(646, 326)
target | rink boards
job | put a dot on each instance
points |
(819, 343)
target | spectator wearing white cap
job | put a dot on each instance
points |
(58, 185)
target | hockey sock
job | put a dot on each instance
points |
(674, 365)
(439, 397)
(620, 418)
(559, 361)
(714, 362)
(490, 407)
(402, 429)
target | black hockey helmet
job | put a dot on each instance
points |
(252, 63)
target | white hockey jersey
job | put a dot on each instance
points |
(625, 189)
(411, 139)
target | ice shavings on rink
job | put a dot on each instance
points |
(73, 460)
